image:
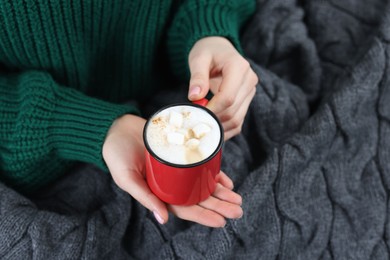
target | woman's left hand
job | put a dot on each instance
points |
(124, 154)
(217, 66)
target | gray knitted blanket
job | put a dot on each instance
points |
(312, 163)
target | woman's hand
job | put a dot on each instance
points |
(123, 152)
(217, 66)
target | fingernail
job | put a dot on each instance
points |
(223, 224)
(194, 91)
(158, 217)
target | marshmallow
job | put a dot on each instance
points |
(175, 138)
(184, 132)
(175, 119)
(192, 143)
(200, 130)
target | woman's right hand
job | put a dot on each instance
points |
(123, 152)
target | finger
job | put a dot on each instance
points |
(137, 187)
(200, 66)
(248, 88)
(225, 180)
(234, 119)
(199, 215)
(232, 78)
(215, 83)
(221, 207)
(227, 195)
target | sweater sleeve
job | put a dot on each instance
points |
(196, 19)
(43, 126)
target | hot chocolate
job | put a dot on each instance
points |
(183, 134)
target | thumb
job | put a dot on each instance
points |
(200, 73)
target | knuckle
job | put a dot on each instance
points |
(236, 123)
(245, 64)
(253, 92)
(237, 131)
(177, 211)
(197, 59)
(226, 117)
(255, 79)
(240, 65)
(197, 78)
(228, 100)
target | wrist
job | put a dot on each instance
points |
(124, 129)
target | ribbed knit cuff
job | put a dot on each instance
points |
(199, 19)
(80, 124)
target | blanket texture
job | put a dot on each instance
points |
(312, 163)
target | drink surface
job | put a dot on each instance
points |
(183, 134)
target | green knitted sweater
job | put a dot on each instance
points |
(66, 66)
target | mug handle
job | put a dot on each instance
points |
(202, 102)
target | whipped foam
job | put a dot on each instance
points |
(183, 134)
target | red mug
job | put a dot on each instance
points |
(183, 184)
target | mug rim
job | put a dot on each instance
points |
(191, 165)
